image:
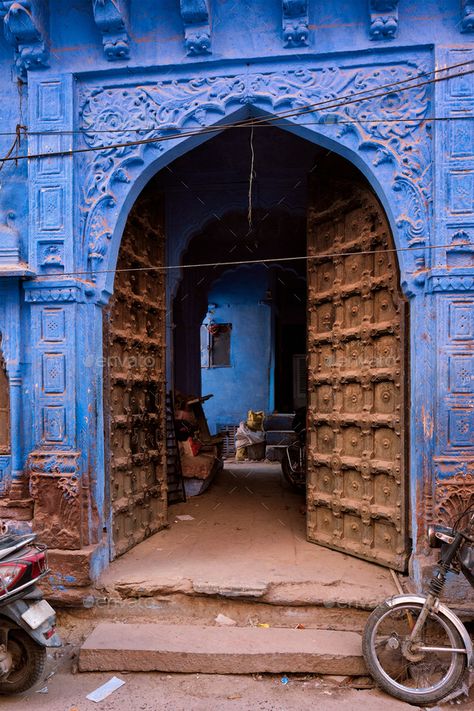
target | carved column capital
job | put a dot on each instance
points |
(467, 18)
(197, 30)
(111, 17)
(383, 19)
(295, 23)
(25, 24)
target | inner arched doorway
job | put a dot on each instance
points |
(355, 317)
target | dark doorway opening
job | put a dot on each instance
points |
(211, 186)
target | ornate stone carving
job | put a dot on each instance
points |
(24, 26)
(467, 20)
(446, 282)
(56, 492)
(295, 23)
(197, 31)
(151, 111)
(9, 240)
(111, 18)
(413, 217)
(383, 19)
(53, 294)
(454, 490)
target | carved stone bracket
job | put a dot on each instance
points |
(25, 25)
(467, 20)
(295, 23)
(56, 492)
(197, 30)
(111, 17)
(401, 146)
(383, 19)
(454, 489)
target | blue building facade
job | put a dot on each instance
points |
(100, 97)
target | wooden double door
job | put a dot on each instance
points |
(356, 340)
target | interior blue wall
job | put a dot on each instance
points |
(239, 299)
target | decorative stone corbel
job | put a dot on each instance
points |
(467, 20)
(111, 17)
(383, 19)
(295, 23)
(25, 25)
(197, 29)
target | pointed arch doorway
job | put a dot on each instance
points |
(356, 348)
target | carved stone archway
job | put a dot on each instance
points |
(386, 136)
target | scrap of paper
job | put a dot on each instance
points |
(106, 689)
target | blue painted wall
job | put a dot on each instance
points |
(69, 214)
(239, 298)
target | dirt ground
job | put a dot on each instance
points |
(246, 536)
(179, 692)
(66, 689)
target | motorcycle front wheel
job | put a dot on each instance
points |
(28, 663)
(422, 675)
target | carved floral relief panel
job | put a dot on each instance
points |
(398, 151)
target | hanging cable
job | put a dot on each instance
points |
(218, 128)
(269, 260)
(276, 115)
(251, 179)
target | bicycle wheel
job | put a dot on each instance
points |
(420, 675)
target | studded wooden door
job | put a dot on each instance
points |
(135, 381)
(356, 492)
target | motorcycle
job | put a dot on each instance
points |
(414, 646)
(27, 621)
(293, 464)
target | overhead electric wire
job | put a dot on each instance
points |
(220, 127)
(247, 123)
(264, 124)
(241, 262)
(307, 106)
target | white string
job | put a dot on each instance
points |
(251, 178)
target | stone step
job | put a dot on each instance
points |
(220, 650)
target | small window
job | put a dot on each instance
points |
(215, 345)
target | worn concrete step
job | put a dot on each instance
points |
(220, 650)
